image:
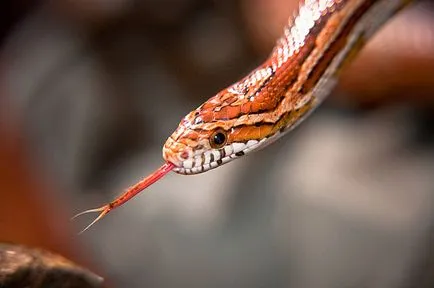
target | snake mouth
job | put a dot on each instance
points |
(207, 166)
(207, 160)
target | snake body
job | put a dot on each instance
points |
(300, 72)
(270, 101)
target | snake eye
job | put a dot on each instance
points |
(218, 139)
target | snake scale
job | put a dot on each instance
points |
(300, 72)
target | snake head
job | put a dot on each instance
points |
(201, 143)
(237, 120)
(195, 150)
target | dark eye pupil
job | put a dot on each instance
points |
(219, 138)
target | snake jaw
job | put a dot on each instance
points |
(208, 159)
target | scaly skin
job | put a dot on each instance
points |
(270, 101)
(274, 98)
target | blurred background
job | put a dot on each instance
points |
(91, 89)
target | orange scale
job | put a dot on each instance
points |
(228, 112)
(246, 108)
(207, 116)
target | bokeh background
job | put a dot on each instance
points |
(90, 90)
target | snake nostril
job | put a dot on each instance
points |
(184, 155)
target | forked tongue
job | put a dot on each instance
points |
(128, 194)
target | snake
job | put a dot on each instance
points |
(300, 72)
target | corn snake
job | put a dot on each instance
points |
(273, 99)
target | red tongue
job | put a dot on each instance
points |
(128, 194)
